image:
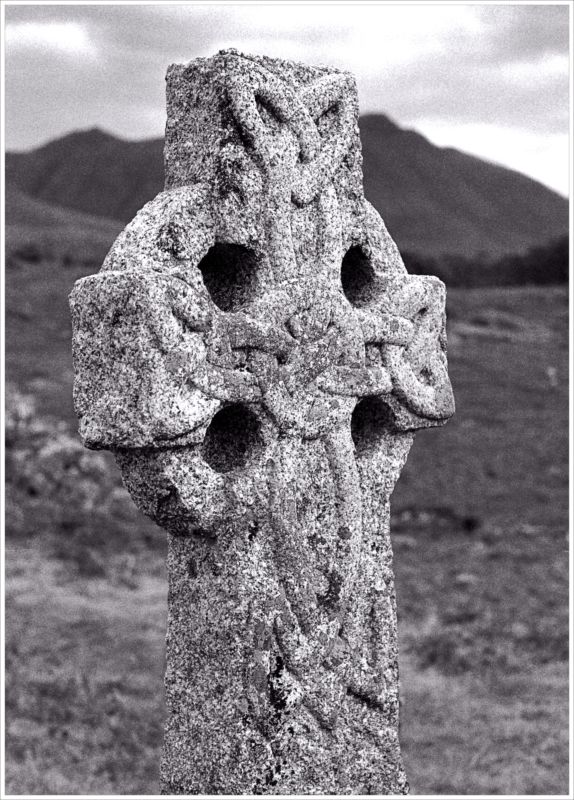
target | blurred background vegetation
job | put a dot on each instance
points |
(480, 514)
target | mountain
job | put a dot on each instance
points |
(91, 171)
(434, 200)
(438, 200)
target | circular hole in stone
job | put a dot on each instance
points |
(370, 418)
(232, 439)
(357, 276)
(230, 275)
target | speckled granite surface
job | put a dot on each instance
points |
(256, 356)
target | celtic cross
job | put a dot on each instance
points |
(257, 358)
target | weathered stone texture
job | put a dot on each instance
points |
(257, 357)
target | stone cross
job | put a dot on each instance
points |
(257, 358)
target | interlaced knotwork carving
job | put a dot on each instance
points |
(225, 293)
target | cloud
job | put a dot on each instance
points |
(451, 66)
(65, 37)
(521, 33)
(527, 97)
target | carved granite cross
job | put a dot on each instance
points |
(256, 356)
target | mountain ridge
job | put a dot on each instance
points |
(434, 200)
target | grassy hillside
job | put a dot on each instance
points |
(434, 200)
(36, 231)
(480, 521)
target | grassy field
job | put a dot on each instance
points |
(480, 520)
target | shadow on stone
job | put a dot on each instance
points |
(232, 439)
(229, 273)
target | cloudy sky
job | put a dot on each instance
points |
(490, 79)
